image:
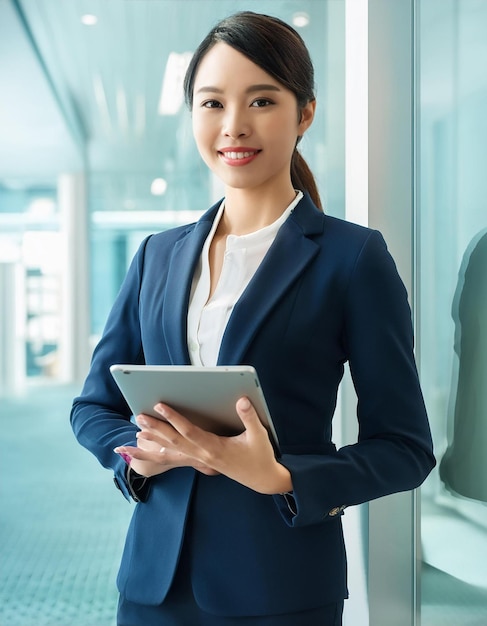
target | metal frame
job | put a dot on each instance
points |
(393, 531)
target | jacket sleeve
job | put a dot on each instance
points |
(394, 449)
(100, 417)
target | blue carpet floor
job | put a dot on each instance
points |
(62, 522)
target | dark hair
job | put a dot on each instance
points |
(280, 51)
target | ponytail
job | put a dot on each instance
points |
(303, 179)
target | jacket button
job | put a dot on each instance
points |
(335, 511)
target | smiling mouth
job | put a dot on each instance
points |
(235, 156)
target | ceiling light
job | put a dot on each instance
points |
(172, 84)
(158, 187)
(300, 19)
(41, 208)
(88, 19)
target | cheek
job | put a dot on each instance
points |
(201, 132)
(284, 130)
(285, 139)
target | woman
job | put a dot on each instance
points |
(224, 532)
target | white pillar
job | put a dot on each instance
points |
(75, 349)
(393, 533)
(12, 327)
(356, 111)
(356, 210)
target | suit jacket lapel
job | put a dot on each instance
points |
(178, 287)
(287, 258)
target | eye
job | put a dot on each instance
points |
(261, 102)
(212, 104)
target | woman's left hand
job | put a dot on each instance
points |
(247, 458)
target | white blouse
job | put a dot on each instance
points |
(207, 318)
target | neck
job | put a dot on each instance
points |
(249, 210)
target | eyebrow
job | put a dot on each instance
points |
(251, 89)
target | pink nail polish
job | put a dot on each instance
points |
(125, 457)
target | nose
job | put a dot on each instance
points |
(236, 123)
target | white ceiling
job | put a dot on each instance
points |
(33, 136)
(53, 70)
(72, 93)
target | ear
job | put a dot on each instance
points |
(307, 116)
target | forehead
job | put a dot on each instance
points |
(222, 63)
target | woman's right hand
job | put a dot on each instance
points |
(150, 459)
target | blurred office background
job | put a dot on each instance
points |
(96, 152)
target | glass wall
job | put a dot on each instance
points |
(452, 319)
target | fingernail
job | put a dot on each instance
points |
(141, 421)
(124, 456)
(160, 408)
(244, 404)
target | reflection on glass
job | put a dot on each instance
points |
(452, 271)
(463, 468)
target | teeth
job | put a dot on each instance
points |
(238, 155)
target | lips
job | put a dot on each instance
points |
(238, 156)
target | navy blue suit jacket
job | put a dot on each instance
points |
(326, 293)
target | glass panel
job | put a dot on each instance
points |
(452, 271)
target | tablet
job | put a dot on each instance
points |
(205, 395)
